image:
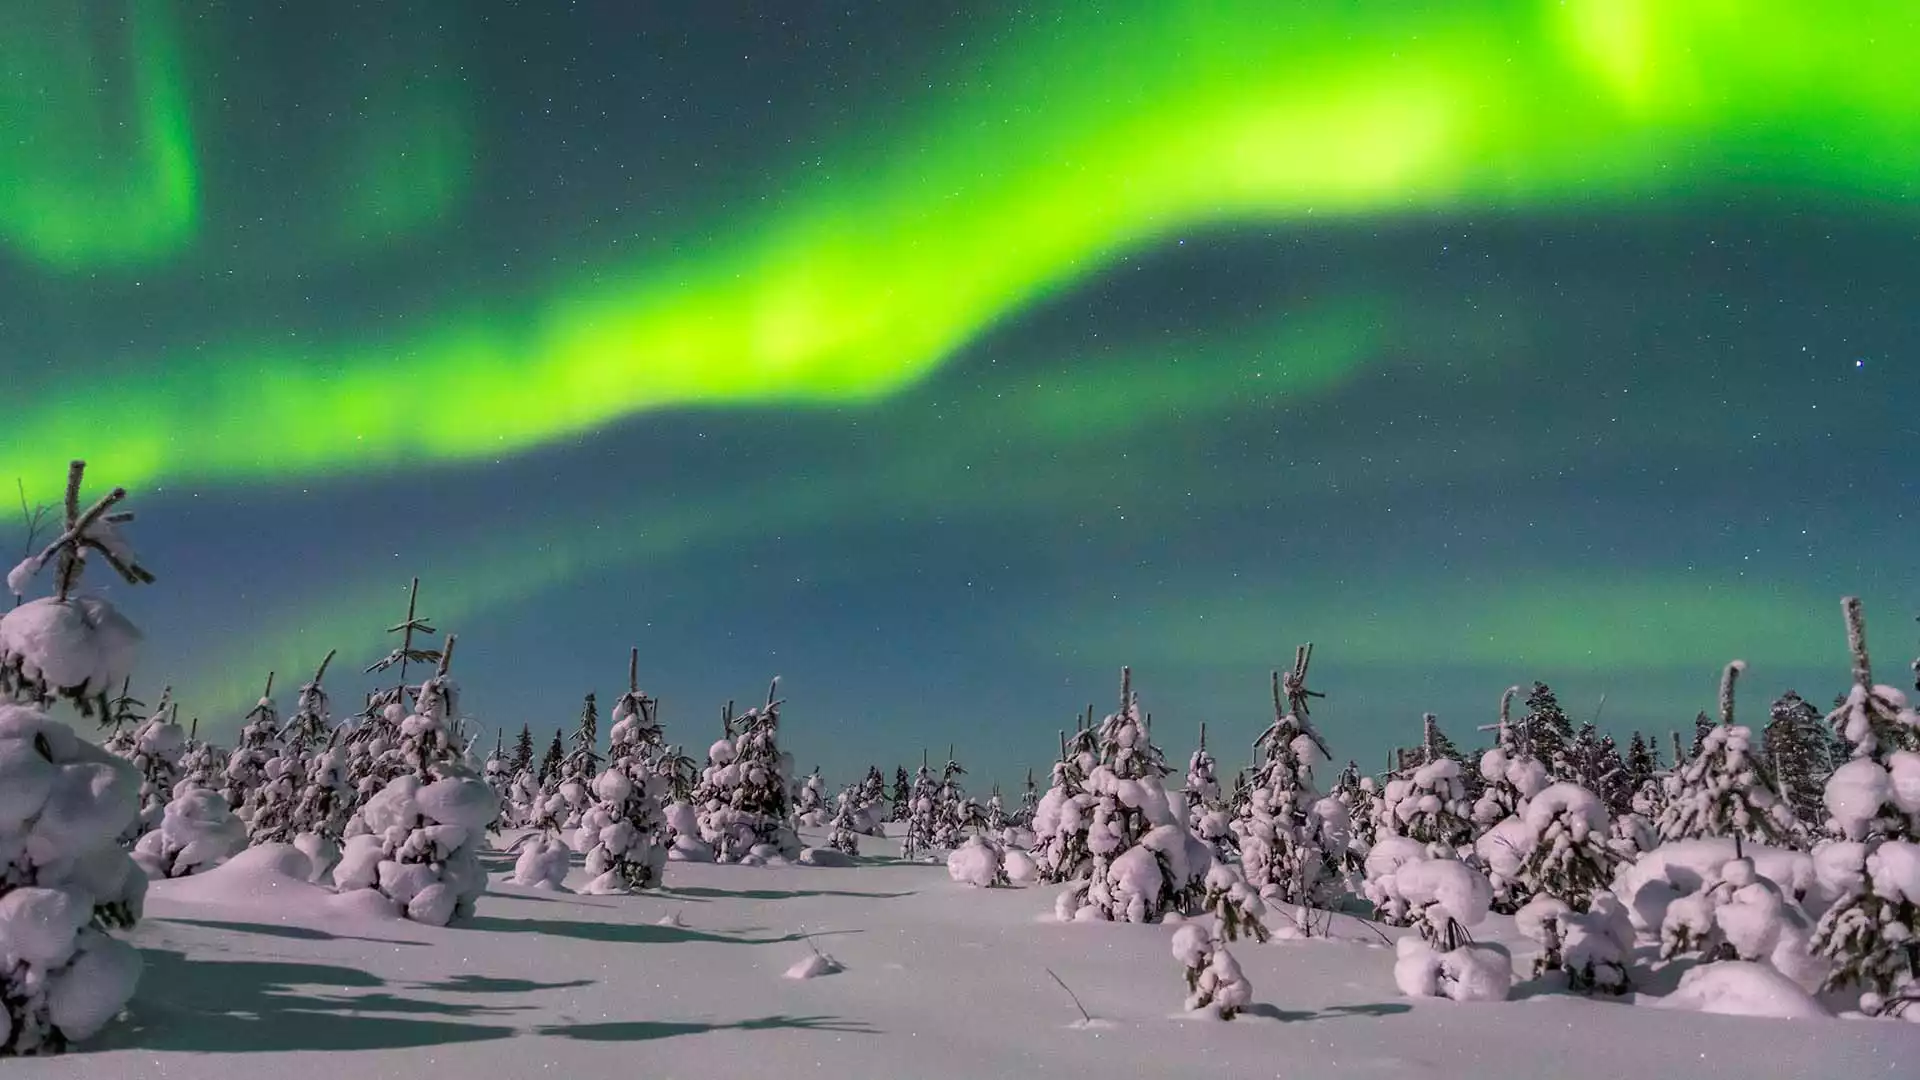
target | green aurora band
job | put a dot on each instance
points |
(1081, 138)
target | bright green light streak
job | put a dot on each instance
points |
(80, 183)
(912, 459)
(1515, 620)
(1085, 137)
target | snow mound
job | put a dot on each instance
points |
(1021, 869)
(826, 856)
(1740, 988)
(542, 863)
(813, 966)
(976, 863)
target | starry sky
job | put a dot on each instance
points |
(943, 357)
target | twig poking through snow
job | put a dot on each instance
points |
(1084, 1015)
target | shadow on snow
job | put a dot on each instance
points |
(644, 1030)
(210, 1006)
(282, 930)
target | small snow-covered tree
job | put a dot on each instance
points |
(811, 808)
(121, 719)
(1276, 829)
(259, 743)
(901, 797)
(1795, 747)
(1061, 818)
(1214, 979)
(197, 829)
(311, 724)
(371, 761)
(923, 814)
(1430, 804)
(1144, 863)
(742, 798)
(554, 761)
(1547, 732)
(1724, 789)
(157, 746)
(70, 645)
(1444, 897)
(952, 810)
(1207, 812)
(845, 837)
(324, 804)
(1361, 796)
(270, 808)
(64, 882)
(424, 827)
(994, 817)
(522, 758)
(203, 764)
(498, 775)
(1568, 857)
(625, 829)
(1873, 802)
(582, 764)
(197, 833)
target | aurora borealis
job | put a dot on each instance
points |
(943, 357)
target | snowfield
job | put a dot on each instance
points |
(254, 973)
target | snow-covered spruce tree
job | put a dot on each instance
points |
(158, 744)
(582, 765)
(64, 882)
(923, 814)
(1430, 804)
(626, 826)
(900, 797)
(553, 763)
(1444, 897)
(1214, 979)
(1702, 725)
(311, 724)
(845, 837)
(1568, 857)
(202, 765)
(1642, 762)
(1547, 732)
(121, 719)
(425, 825)
(522, 794)
(324, 804)
(1029, 802)
(258, 744)
(1361, 796)
(370, 748)
(1795, 746)
(1512, 776)
(72, 646)
(1061, 818)
(811, 808)
(742, 798)
(1145, 862)
(522, 759)
(269, 812)
(952, 810)
(498, 775)
(994, 817)
(1207, 813)
(1275, 828)
(1873, 801)
(1724, 789)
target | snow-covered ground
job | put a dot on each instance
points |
(251, 974)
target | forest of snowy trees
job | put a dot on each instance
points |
(1780, 852)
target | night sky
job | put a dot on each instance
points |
(941, 358)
